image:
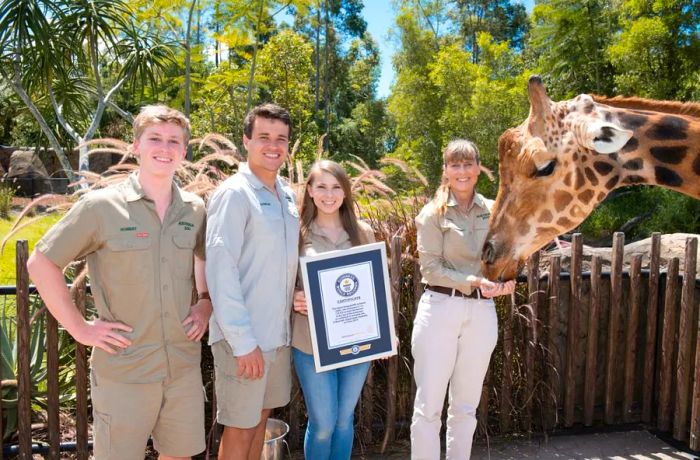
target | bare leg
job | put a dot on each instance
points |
(256, 448)
(243, 443)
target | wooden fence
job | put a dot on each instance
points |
(576, 348)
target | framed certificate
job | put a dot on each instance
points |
(349, 301)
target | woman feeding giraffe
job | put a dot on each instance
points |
(456, 328)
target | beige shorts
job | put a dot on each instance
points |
(240, 401)
(126, 414)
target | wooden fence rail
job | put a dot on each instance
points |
(595, 347)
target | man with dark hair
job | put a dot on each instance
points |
(252, 257)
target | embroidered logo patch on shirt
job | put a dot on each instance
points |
(127, 229)
(142, 235)
(188, 225)
(485, 215)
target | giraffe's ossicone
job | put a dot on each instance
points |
(567, 156)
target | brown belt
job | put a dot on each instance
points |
(453, 292)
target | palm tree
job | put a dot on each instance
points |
(78, 54)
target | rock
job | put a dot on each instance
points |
(672, 245)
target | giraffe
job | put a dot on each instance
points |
(567, 156)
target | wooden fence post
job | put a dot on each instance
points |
(553, 328)
(592, 342)
(572, 330)
(393, 364)
(81, 371)
(52, 386)
(631, 337)
(531, 344)
(24, 383)
(683, 370)
(667, 346)
(613, 325)
(651, 333)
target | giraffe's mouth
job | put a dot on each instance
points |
(502, 269)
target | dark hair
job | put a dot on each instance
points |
(269, 111)
(347, 209)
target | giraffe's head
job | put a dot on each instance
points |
(554, 168)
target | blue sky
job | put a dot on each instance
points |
(379, 15)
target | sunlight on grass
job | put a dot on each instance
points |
(32, 234)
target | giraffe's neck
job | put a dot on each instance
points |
(664, 150)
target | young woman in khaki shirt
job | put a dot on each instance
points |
(328, 222)
(455, 329)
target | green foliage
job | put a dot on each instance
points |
(37, 364)
(31, 233)
(640, 211)
(7, 192)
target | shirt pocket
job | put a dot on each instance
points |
(128, 260)
(183, 255)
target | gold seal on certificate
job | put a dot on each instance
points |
(350, 312)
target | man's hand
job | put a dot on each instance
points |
(103, 335)
(491, 289)
(198, 319)
(299, 303)
(252, 365)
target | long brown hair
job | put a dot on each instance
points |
(456, 151)
(348, 218)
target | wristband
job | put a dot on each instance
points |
(203, 296)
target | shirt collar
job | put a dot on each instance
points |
(316, 230)
(478, 200)
(256, 183)
(133, 191)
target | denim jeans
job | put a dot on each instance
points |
(330, 398)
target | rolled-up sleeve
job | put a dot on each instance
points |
(434, 268)
(227, 216)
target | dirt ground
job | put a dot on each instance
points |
(628, 445)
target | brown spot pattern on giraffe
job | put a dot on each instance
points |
(609, 185)
(590, 175)
(545, 217)
(633, 165)
(696, 164)
(579, 179)
(630, 146)
(634, 179)
(668, 128)
(602, 167)
(561, 200)
(586, 196)
(672, 155)
(564, 222)
(567, 179)
(665, 176)
(523, 227)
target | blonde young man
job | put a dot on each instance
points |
(143, 240)
(252, 256)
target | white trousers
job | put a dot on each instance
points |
(452, 342)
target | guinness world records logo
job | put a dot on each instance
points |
(346, 284)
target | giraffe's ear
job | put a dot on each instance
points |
(606, 137)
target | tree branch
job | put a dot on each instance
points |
(58, 109)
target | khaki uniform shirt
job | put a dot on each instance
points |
(449, 246)
(316, 243)
(141, 273)
(252, 258)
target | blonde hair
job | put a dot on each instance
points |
(347, 209)
(456, 151)
(158, 113)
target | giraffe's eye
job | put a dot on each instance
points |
(546, 170)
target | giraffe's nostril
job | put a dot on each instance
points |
(488, 253)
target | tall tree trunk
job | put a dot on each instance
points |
(326, 77)
(188, 68)
(16, 84)
(251, 78)
(317, 57)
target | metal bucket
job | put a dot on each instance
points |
(275, 445)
